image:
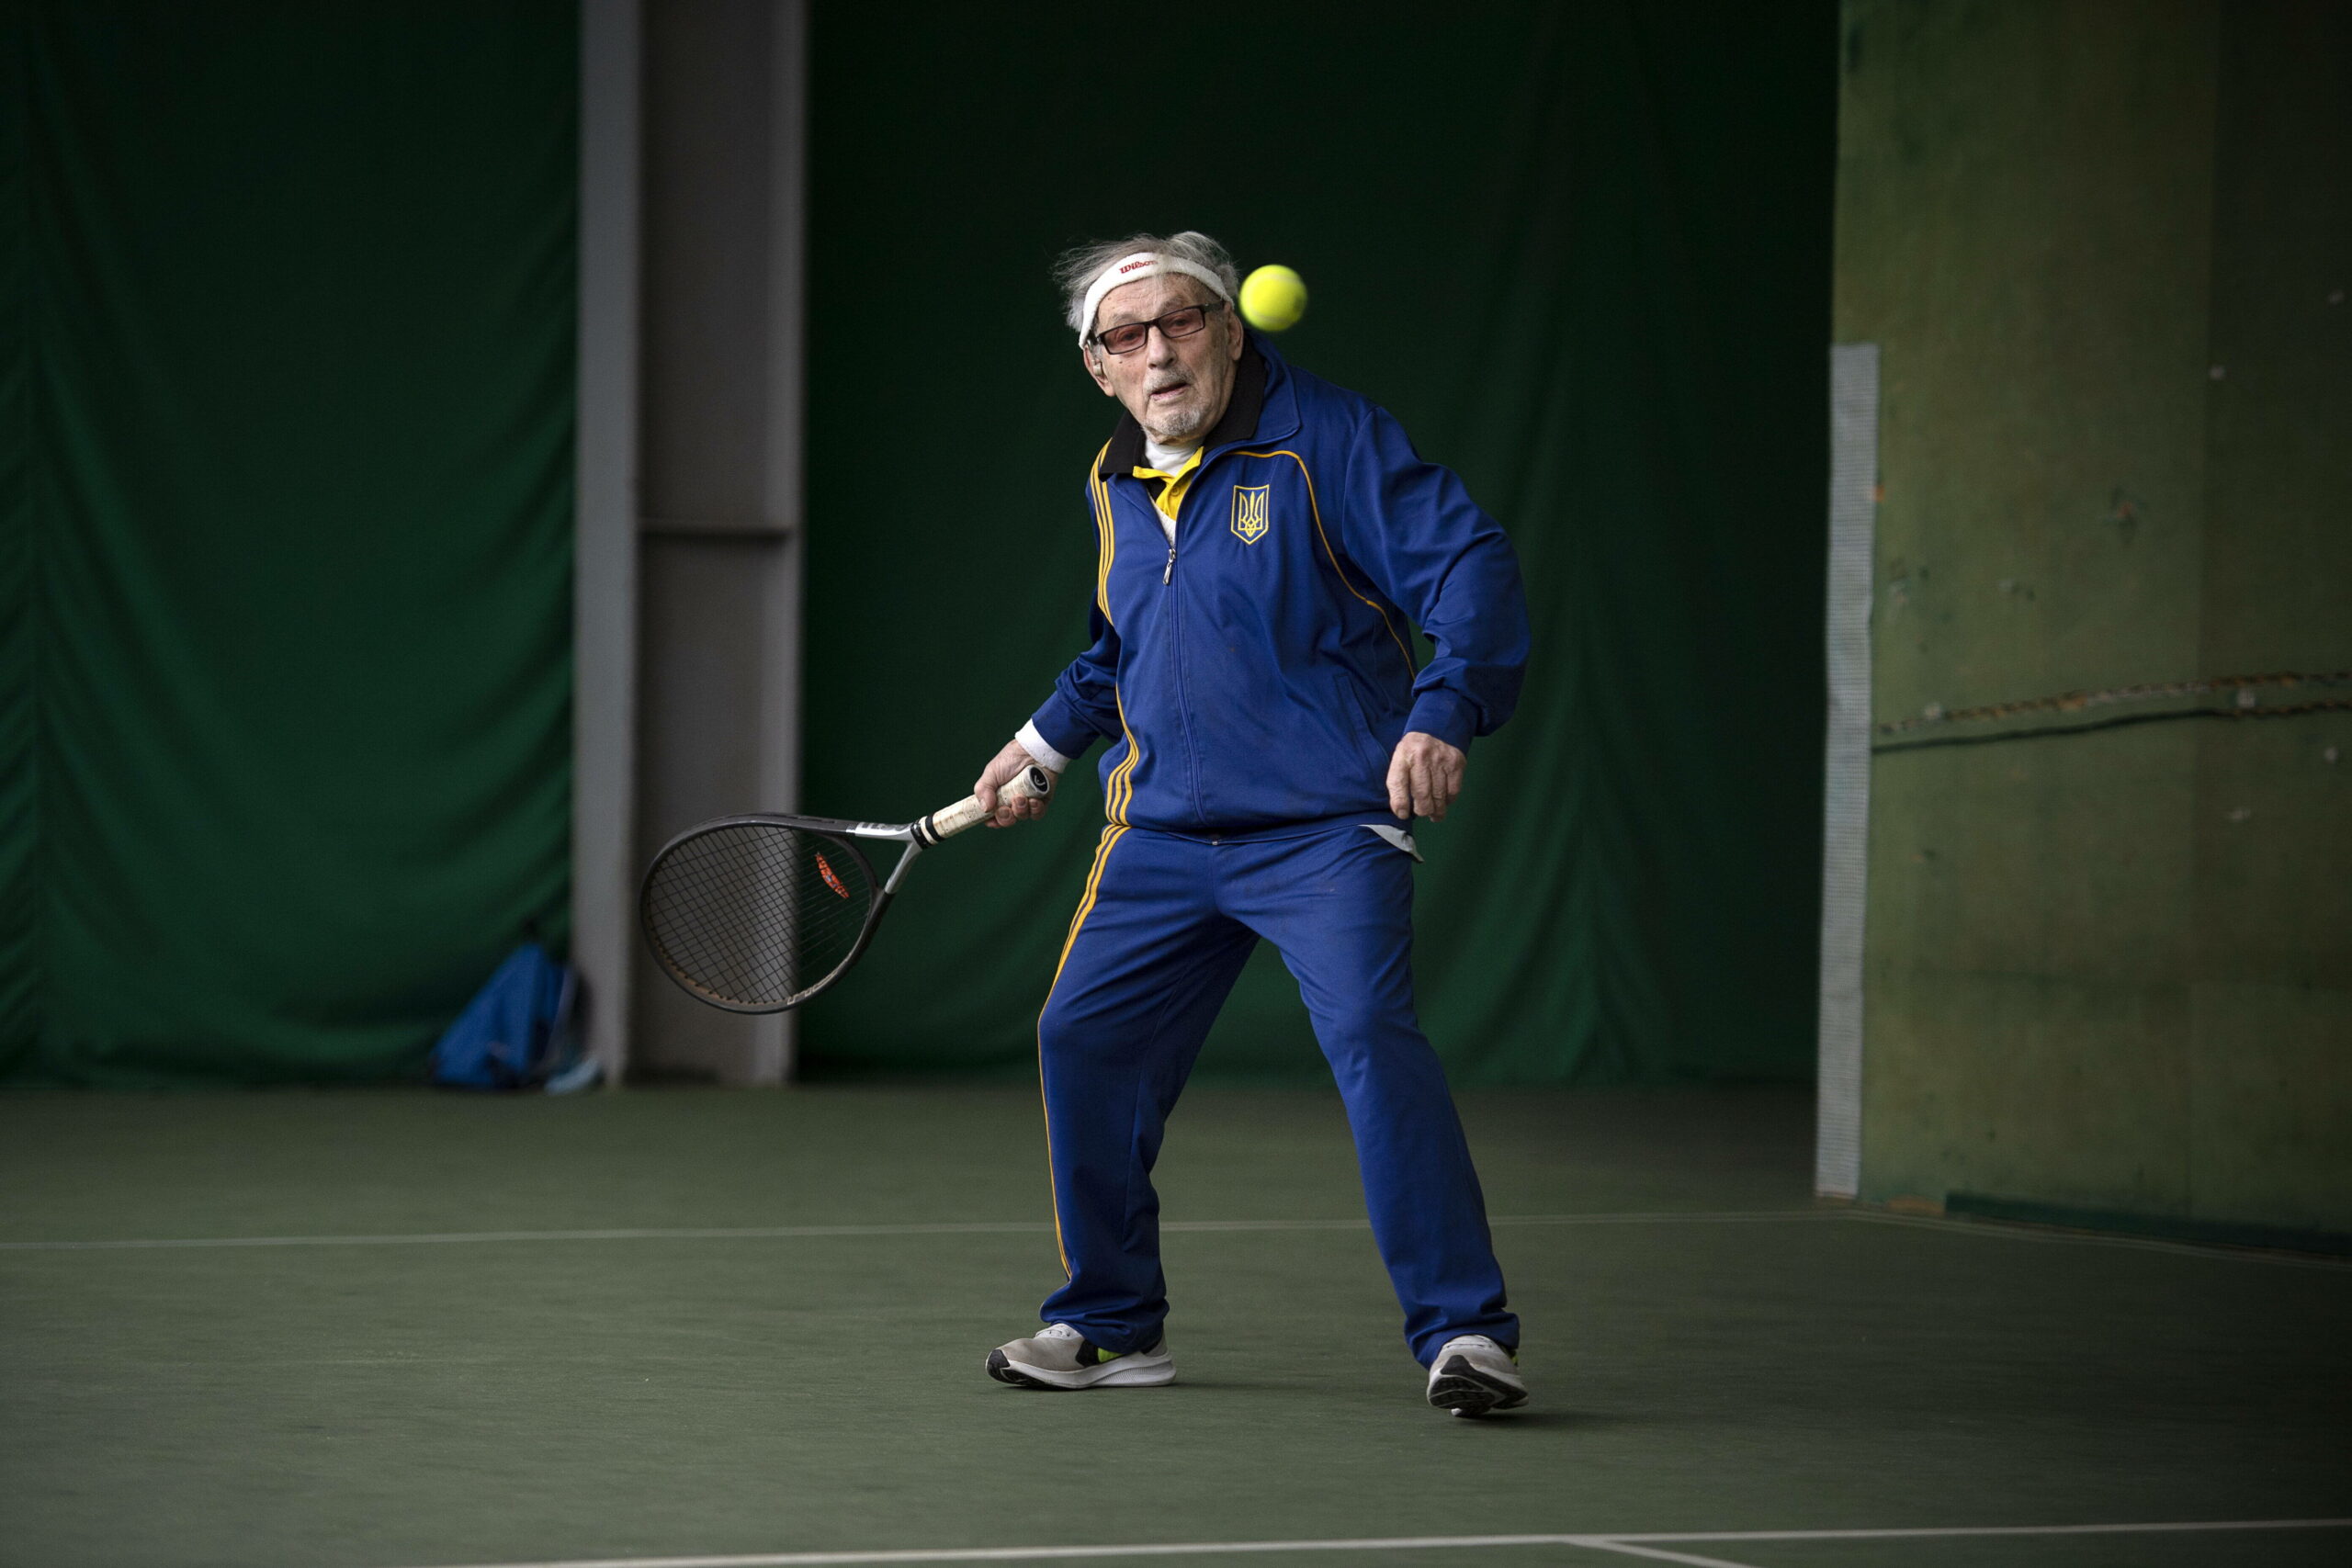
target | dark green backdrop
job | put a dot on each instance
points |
(285, 427)
(286, 354)
(1583, 253)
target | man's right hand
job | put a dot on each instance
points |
(1000, 773)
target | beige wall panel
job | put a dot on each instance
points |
(2103, 251)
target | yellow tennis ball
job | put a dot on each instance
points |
(1273, 298)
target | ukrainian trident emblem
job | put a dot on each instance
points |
(1250, 504)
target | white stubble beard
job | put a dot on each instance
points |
(1169, 434)
(1194, 412)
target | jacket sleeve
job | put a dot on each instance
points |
(1413, 528)
(1085, 701)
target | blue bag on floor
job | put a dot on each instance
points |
(517, 1032)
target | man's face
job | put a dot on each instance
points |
(1176, 388)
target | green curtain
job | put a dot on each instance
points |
(286, 300)
(1582, 251)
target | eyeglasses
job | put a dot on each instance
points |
(1128, 336)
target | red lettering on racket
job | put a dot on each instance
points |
(831, 881)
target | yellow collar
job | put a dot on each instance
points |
(1176, 482)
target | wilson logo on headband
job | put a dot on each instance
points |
(1135, 269)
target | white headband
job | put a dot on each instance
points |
(1135, 269)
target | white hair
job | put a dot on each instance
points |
(1078, 269)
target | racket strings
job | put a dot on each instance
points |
(756, 914)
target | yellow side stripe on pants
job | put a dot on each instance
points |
(1085, 905)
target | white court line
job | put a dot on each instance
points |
(986, 1227)
(1612, 1543)
(1994, 1229)
(1955, 1533)
(442, 1238)
(1630, 1543)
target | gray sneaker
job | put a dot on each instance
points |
(1060, 1357)
(1472, 1375)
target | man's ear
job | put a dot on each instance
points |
(1094, 368)
(1236, 338)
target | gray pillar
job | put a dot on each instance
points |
(720, 520)
(1846, 806)
(605, 591)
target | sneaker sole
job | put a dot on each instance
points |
(1156, 1373)
(1465, 1391)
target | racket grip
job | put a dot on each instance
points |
(945, 823)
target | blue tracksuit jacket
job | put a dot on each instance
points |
(1258, 675)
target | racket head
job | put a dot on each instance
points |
(757, 914)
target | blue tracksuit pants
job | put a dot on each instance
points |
(1157, 944)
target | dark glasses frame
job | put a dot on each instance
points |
(1138, 333)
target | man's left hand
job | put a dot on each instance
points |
(1424, 776)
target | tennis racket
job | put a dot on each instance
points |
(758, 914)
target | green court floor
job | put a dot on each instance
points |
(395, 1330)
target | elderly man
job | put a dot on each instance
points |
(1267, 542)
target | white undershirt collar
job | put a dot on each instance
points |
(1167, 459)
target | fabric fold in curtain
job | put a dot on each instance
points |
(287, 312)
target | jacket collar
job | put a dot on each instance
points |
(1262, 408)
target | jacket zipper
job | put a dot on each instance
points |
(1168, 572)
(1176, 651)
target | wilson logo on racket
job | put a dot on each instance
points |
(826, 871)
(1250, 506)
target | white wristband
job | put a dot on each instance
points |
(1035, 744)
